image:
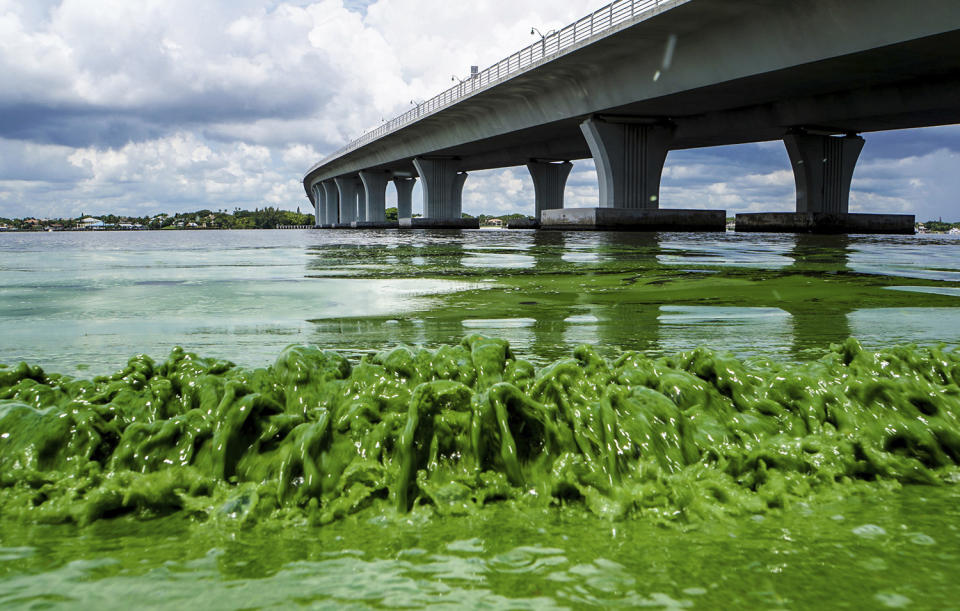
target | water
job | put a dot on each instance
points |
(84, 303)
(900, 556)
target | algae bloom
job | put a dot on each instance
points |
(692, 436)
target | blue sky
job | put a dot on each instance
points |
(147, 107)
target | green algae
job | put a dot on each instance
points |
(502, 557)
(692, 436)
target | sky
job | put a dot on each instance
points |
(138, 107)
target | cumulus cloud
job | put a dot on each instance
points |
(120, 106)
(165, 105)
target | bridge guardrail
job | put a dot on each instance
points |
(582, 30)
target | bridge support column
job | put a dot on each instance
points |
(331, 202)
(404, 196)
(457, 198)
(349, 188)
(549, 181)
(629, 155)
(375, 186)
(822, 171)
(361, 201)
(442, 183)
(319, 205)
(629, 158)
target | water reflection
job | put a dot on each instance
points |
(816, 325)
(785, 296)
(86, 302)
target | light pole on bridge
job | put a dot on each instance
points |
(543, 40)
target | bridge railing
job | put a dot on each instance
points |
(553, 44)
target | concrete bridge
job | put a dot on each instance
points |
(638, 78)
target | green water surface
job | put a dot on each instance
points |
(810, 477)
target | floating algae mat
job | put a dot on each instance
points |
(679, 439)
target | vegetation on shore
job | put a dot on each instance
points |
(939, 226)
(260, 218)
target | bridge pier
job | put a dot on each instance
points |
(442, 183)
(629, 159)
(361, 201)
(823, 168)
(375, 187)
(349, 188)
(331, 202)
(404, 186)
(629, 154)
(549, 181)
(319, 203)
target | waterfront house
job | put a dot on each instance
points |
(90, 223)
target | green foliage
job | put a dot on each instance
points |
(486, 218)
(940, 226)
(392, 214)
(261, 218)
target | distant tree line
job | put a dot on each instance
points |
(940, 226)
(392, 215)
(260, 218)
(486, 218)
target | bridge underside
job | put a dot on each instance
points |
(711, 116)
(743, 71)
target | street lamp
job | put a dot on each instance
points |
(543, 39)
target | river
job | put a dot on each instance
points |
(82, 304)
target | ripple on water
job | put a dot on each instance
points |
(869, 531)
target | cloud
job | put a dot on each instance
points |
(177, 172)
(926, 185)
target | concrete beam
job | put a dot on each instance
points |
(442, 187)
(404, 186)
(629, 159)
(375, 186)
(549, 181)
(822, 169)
